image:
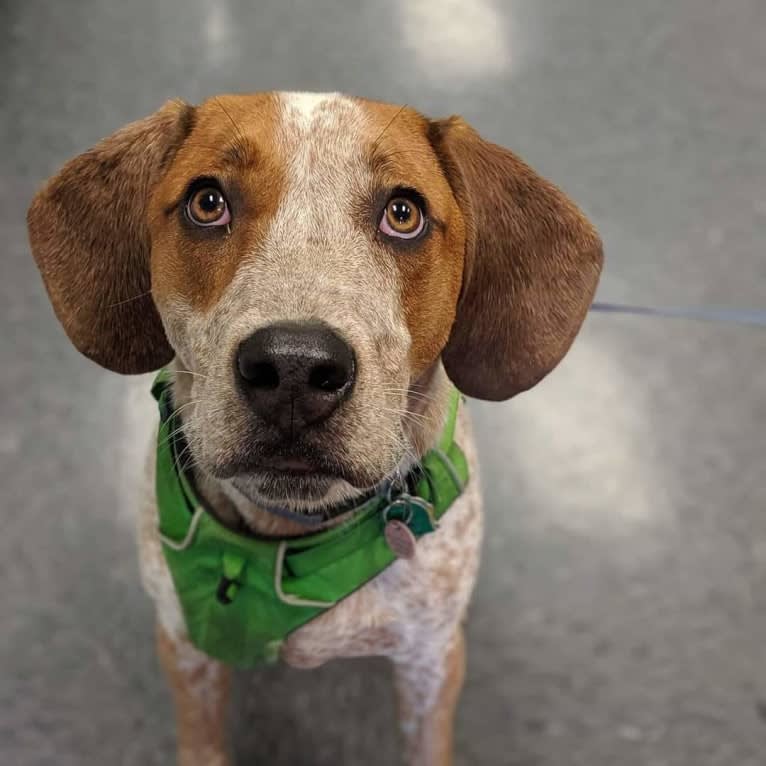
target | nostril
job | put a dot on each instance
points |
(260, 375)
(328, 377)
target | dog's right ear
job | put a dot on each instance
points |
(89, 234)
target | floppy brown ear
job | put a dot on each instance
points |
(89, 236)
(532, 263)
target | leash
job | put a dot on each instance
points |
(750, 317)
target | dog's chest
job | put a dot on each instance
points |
(411, 602)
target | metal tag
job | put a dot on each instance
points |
(400, 539)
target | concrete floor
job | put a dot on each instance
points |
(621, 613)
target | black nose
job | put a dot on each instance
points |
(295, 373)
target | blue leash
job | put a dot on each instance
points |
(752, 317)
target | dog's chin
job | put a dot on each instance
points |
(288, 486)
(298, 491)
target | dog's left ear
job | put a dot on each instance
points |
(532, 263)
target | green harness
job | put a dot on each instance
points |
(241, 595)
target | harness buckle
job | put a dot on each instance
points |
(231, 578)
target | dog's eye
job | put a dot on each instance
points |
(207, 206)
(402, 218)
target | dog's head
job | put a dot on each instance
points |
(312, 260)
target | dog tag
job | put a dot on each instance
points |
(400, 539)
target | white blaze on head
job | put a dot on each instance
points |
(300, 109)
(315, 258)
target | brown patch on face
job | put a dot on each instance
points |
(234, 143)
(431, 267)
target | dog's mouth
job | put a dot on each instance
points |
(302, 480)
(305, 479)
(299, 461)
(291, 466)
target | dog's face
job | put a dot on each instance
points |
(311, 260)
(328, 244)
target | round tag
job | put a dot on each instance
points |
(400, 539)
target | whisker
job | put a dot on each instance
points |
(169, 437)
(181, 426)
(408, 414)
(177, 460)
(407, 390)
(411, 393)
(240, 136)
(129, 300)
(421, 397)
(388, 125)
(201, 145)
(190, 463)
(183, 407)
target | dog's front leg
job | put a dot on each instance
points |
(200, 688)
(428, 684)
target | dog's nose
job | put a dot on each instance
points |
(295, 373)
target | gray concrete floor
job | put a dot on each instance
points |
(621, 613)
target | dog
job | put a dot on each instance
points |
(317, 274)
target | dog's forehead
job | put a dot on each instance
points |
(283, 122)
(323, 141)
(302, 113)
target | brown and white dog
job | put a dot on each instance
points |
(367, 254)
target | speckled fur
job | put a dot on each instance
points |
(412, 612)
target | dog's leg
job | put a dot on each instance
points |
(200, 688)
(428, 685)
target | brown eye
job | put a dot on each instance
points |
(402, 218)
(208, 207)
